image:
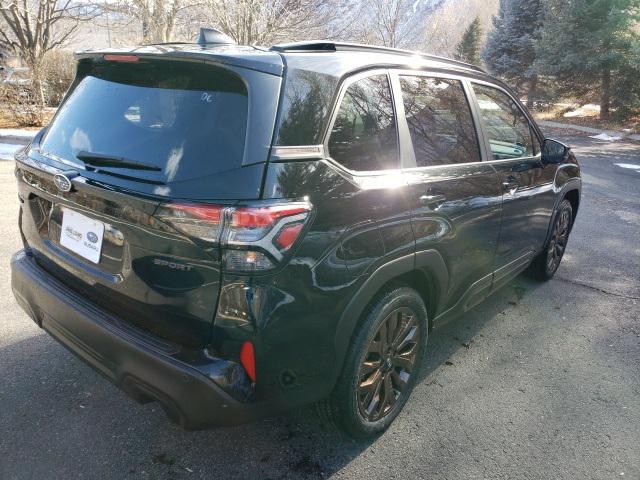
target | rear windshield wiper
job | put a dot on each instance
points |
(101, 160)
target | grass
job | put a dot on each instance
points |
(586, 116)
(8, 121)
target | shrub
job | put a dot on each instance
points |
(58, 70)
(19, 101)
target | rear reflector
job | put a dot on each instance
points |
(121, 58)
(248, 360)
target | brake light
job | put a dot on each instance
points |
(121, 58)
(253, 238)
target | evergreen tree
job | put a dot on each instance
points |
(468, 50)
(591, 47)
(509, 51)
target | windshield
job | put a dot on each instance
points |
(187, 119)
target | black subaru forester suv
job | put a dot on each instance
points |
(234, 231)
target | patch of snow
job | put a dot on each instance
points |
(588, 110)
(606, 137)
(631, 166)
(8, 149)
(17, 132)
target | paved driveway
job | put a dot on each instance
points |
(540, 381)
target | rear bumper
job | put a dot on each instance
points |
(142, 367)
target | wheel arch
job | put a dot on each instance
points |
(426, 272)
(572, 191)
(573, 196)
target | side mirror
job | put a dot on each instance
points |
(554, 151)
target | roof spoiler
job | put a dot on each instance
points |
(212, 36)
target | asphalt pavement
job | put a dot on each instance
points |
(541, 381)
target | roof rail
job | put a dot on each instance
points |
(328, 46)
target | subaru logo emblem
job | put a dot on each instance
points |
(62, 182)
(92, 237)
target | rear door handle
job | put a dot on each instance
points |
(432, 201)
(510, 185)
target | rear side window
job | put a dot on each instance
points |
(188, 120)
(439, 120)
(306, 102)
(364, 133)
(508, 128)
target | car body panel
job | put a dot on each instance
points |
(366, 231)
(464, 226)
(134, 276)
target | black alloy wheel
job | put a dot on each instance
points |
(547, 262)
(388, 364)
(558, 241)
(382, 364)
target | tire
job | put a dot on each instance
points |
(545, 265)
(378, 368)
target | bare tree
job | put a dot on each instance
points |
(262, 22)
(445, 26)
(393, 22)
(156, 17)
(34, 27)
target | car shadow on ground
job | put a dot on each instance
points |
(48, 394)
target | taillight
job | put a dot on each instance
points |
(195, 220)
(253, 238)
(249, 224)
(252, 224)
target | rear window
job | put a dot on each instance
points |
(185, 119)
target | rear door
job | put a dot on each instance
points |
(154, 150)
(455, 197)
(527, 184)
(363, 140)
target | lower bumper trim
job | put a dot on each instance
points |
(144, 370)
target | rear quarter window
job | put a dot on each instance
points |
(305, 107)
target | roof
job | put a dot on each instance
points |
(331, 58)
